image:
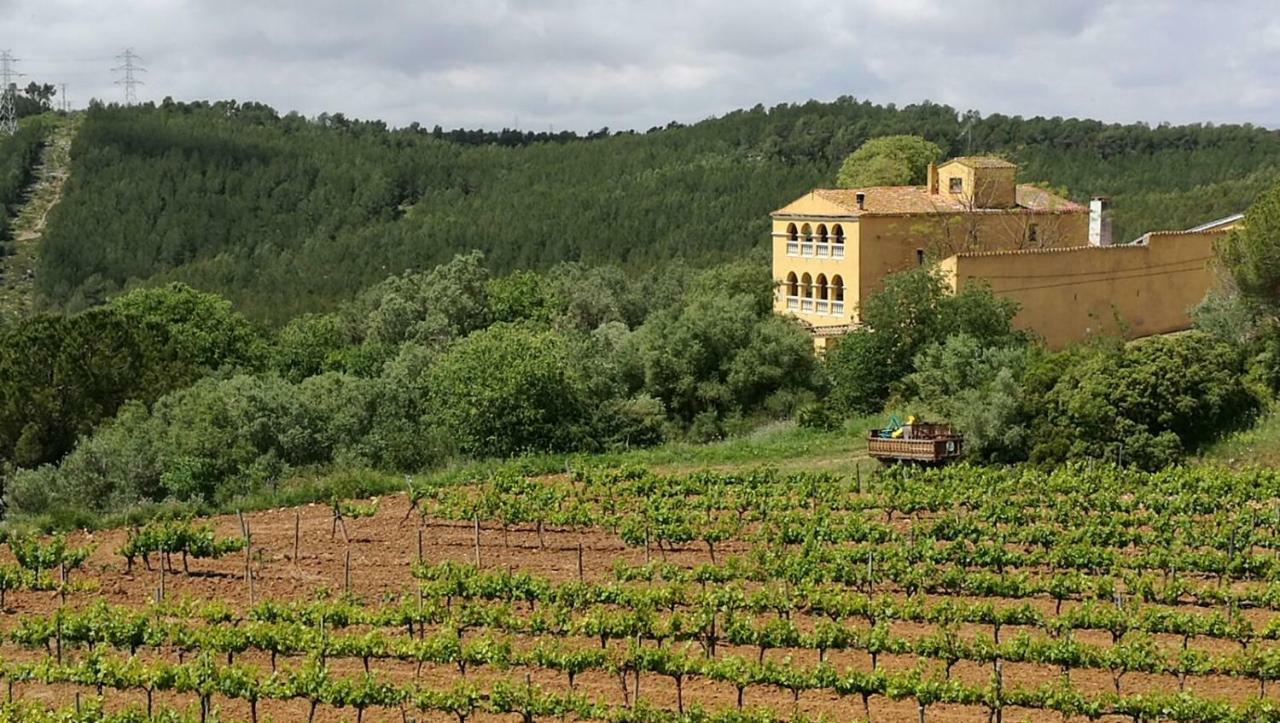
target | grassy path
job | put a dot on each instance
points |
(17, 292)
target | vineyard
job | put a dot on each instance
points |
(965, 594)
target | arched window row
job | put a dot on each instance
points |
(817, 241)
(815, 295)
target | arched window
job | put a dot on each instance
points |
(793, 286)
(822, 287)
(837, 234)
(791, 232)
(822, 233)
(806, 232)
(806, 286)
(837, 288)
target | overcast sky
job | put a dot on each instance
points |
(583, 64)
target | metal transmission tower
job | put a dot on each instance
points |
(65, 104)
(130, 81)
(8, 94)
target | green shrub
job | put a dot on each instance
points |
(816, 415)
(508, 390)
(915, 309)
(978, 388)
(1147, 402)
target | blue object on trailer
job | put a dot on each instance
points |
(894, 425)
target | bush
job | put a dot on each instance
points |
(445, 303)
(816, 415)
(309, 345)
(978, 388)
(862, 369)
(635, 422)
(508, 390)
(197, 328)
(211, 441)
(720, 353)
(1148, 402)
(706, 427)
(914, 310)
(62, 375)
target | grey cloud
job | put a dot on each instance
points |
(583, 64)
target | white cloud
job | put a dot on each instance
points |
(589, 63)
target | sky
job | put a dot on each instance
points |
(585, 64)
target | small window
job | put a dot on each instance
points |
(919, 257)
(957, 184)
(1033, 234)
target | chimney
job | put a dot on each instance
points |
(931, 181)
(1100, 221)
(861, 198)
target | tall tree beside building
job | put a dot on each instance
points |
(888, 161)
(1251, 254)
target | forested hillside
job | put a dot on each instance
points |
(18, 155)
(286, 215)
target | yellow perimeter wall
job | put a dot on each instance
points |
(1069, 294)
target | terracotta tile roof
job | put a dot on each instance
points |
(916, 200)
(981, 162)
(1046, 250)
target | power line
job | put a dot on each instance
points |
(129, 81)
(61, 61)
(8, 94)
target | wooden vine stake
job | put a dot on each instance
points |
(339, 519)
(248, 554)
(419, 545)
(297, 533)
(581, 572)
(346, 572)
(476, 518)
(413, 500)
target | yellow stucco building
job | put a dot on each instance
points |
(832, 248)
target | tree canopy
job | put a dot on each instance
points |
(1251, 253)
(888, 161)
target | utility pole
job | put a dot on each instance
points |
(8, 94)
(129, 81)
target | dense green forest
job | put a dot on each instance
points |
(18, 154)
(286, 215)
